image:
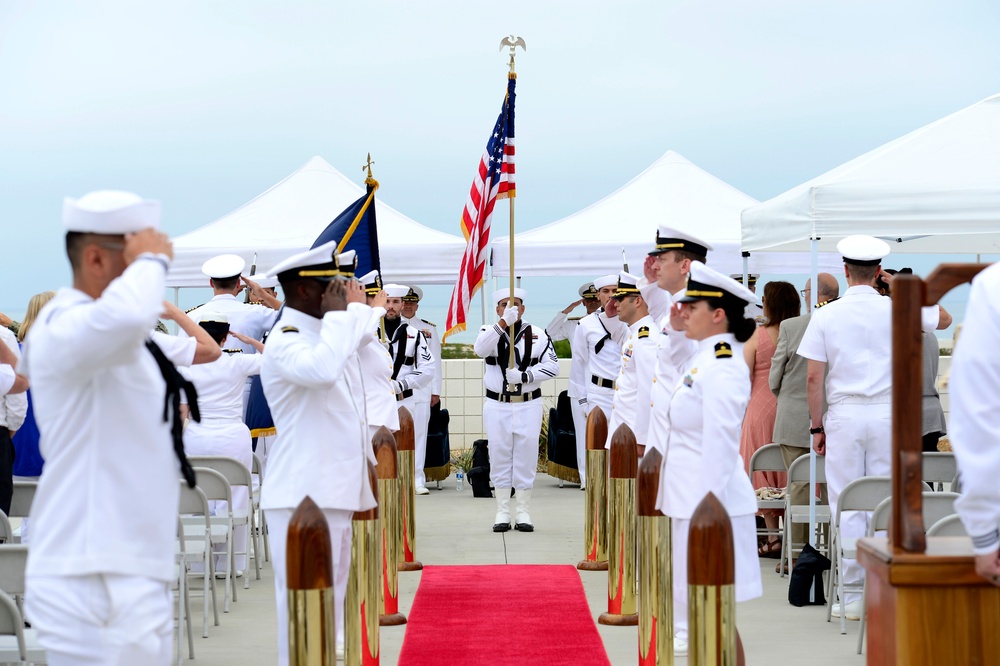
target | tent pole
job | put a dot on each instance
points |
(177, 298)
(746, 269)
(813, 294)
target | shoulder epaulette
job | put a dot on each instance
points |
(193, 309)
(819, 305)
(233, 351)
(429, 323)
(643, 332)
(289, 329)
(723, 350)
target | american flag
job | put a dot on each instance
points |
(494, 180)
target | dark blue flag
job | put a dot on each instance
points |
(355, 229)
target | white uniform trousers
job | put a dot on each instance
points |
(748, 583)
(421, 413)
(220, 437)
(512, 430)
(858, 443)
(580, 426)
(600, 397)
(339, 521)
(102, 619)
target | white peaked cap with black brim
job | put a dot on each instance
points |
(704, 283)
(863, 250)
(668, 238)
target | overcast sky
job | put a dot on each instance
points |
(205, 104)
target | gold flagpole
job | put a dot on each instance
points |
(512, 43)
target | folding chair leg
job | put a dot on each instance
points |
(246, 549)
(864, 615)
(264, 536)
(840, 589)
(256, 541)
(187, 619)
(786, 549)
(231, 553)
(209, 575)
(831, 581)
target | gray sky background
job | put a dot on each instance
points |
(205, 104)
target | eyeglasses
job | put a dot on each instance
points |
(803, 292)
(112, 245)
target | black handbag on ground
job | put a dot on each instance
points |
(479, 475)
(808, 572)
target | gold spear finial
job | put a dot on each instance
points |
(368, 165)
(512, 42)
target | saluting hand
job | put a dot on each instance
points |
(380, 298)
(611, 308)
(355, 292)
(334, 297)
(572, 306)
(650, 269)
(147, 240)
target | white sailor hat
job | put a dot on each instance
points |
(396, 290)
(110, 212)
(587, 291)
(668, 238)
(705, 282)
(319, 263)
(415, 295)
(372, 282)
(214, 317)
(265, 281)
(627, 284)
(216, 323)
(223, 266)
(863, 250)
(751, 278)
(605, 281)
(501, 294)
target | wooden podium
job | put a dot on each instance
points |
(925, 603)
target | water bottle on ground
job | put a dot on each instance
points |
(459, 480)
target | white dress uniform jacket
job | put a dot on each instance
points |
(7, 378)
(110, 467)
(322, 448)
(250, 320)
(563, 328)
(13, 407)
(376, 366)
(632, 388)
(975, 414)
(413, 368)
(602, 357)
(430, 333)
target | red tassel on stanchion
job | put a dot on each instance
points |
(389, 526)
(405, 468)
(312, 636)
(595, 523)
(624, 464)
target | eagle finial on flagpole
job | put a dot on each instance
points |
(512, 42)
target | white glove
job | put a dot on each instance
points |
(510, 316)
(513, 376)
(397, 387)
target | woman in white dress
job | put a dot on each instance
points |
(703, 446)
(222, 431)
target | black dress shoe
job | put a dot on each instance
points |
(501, 527)
(524, 527)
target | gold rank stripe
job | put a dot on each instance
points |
(667, 246)
(703, 294)
(324, 273)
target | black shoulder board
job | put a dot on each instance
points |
(819, 305)
(429, 323)
(723, 350)
(643, 332)
(289, 329)
(192, 309)
(233, 351)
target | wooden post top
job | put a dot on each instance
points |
(624, 462)
(597, 429)
(404, 436)
(372, 513)
(309, 562)
(385, 453)
(648, 484)
(710, 545)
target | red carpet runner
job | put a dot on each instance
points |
(499, 615)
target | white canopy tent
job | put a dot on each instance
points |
(935, 190)
(671, 191)
(289, 216)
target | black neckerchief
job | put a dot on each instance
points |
(397, 362)
(607, 336)
(391, 325)
(172, 402)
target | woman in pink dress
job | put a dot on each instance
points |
(780, 301)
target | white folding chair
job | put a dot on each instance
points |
(13, 560)
(949, 526)
(198, 547)
(768, 459)
(798, 472)
(217, 490)
(258, 471)
(939, 467)
(937, 506)
(17, 644)
(6, 531)
(183, 597)
(20, 503)
(238, 477)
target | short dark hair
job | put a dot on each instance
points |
(226, 284)
(693, 256)
(76, 241)
(862, 273)
(781, 302)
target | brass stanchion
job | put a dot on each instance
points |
(656, 607)
(312, 635)
(364, 586)
(405, 458)
(595, 524)
(624, 464)
(389, 526)
(711, 586)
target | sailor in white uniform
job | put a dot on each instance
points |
(111, 465)
(10, 381)
(412, 372)
(665, 276)
(221, 430)
(704, 420)
(598, 351)
(376, 364)
(755, 310)
(975, 421)
(626, 316)
(563, 328)
(311, 374)
(411, 302)
(852, 338)
(512, 411)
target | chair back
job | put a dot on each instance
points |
(949, 526)
(20, 501)
(939, 466)
(235, 472)
(864, 494)
(258, 469)
(938, 506)
(880, 517)
(798, 471)
(768, 459)
(12, 624)
(213, 484)
(192, 501)
(6, 531)
(13, 559)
